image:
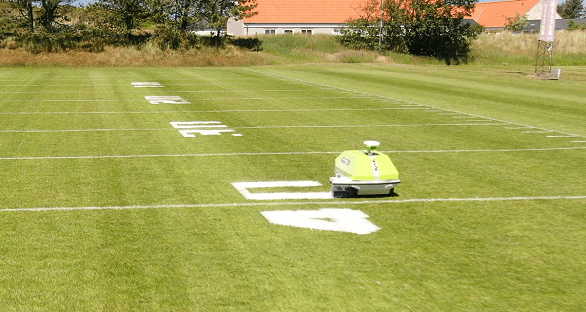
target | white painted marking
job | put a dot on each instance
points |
(237, 134)
(199, 127)
(302, 203)
(186, 126)
(539, 131)
(560, 136)
(81, 130)
(286, 153)
(158, 99)
(192, 133)
(146, 84)
(327, 219)
(215, 111)
(196, 124)
(578, 141)
(243, 187)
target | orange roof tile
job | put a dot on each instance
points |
(306, 11)
(494, 14)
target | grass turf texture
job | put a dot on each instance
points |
(86, 138)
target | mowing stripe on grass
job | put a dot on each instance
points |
(349, 91)
(336, 202)
(289, 153)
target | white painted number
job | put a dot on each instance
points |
(189, 129)
(329, 219)
(166, 100)
(146, 85)
(243, 187)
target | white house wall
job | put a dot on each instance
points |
(535, 12)
(239, 28)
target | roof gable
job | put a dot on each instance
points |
(306, 11)
(494, 14)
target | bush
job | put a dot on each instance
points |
(168, 38)
(576, 26)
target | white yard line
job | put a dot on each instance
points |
(85, 130)
(151, 90)
(560, 136)
(218, 111)
(287, 153)
(333, 202)
(196, 100)
(253, 127)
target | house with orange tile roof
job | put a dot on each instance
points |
(493, 15)
(297, 17)
(330, 16)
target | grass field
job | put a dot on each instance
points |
(107, 206)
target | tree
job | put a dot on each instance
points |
(122, 14)
(420, 27)
(50, 12)
(516, 23)
(25, 13)
(571, 9)
(182, 15)
(216, 13)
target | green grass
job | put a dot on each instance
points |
(148, 220)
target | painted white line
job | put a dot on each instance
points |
(83, 130)
(216, 111)
(138, 91)
(560, 136)
(255, 127)
(376, 126)
(305, 203)
(519, 128)
(201, 100)
(578, 141)
(539, 131)
(290, 153)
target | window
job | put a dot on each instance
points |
(288, 31)
(306, 31)
(269, 31)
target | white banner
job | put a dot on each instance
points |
(548, 13)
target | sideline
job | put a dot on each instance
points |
(336, 202)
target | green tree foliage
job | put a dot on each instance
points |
(576, 26)
(216, 13)
(21, 12)
(124, 15)
(43, 25)
(418, 27)
(516, 23)
(571, 9)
